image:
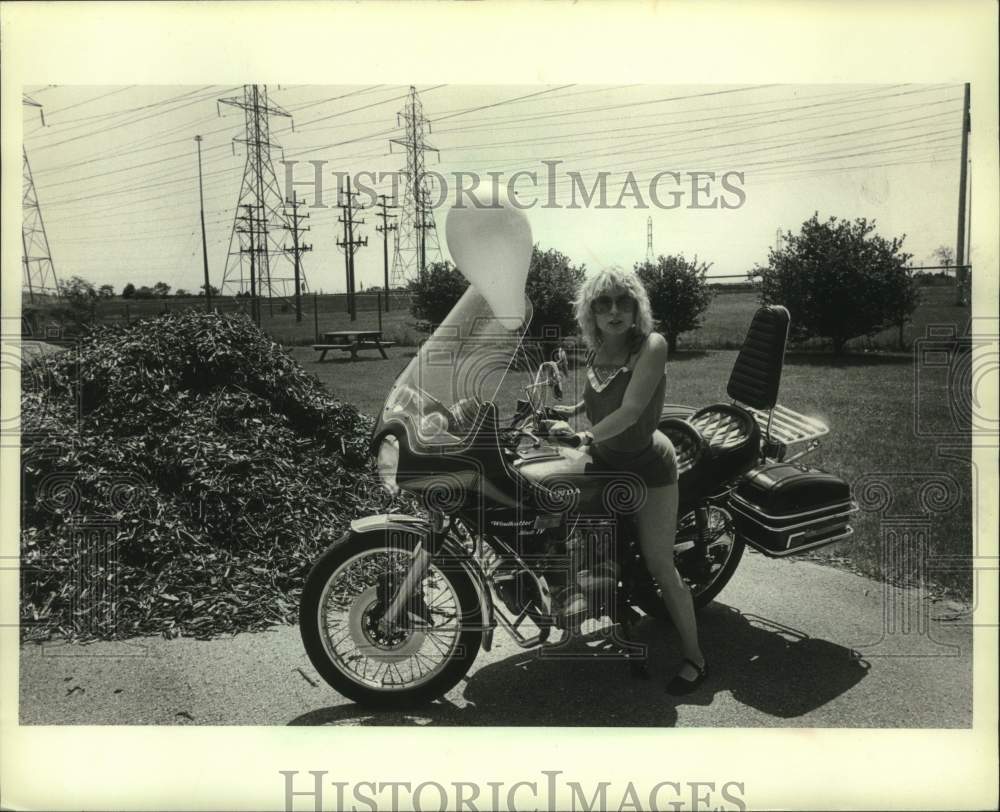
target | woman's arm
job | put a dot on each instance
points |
(645, 378)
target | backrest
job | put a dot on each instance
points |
(756, 374)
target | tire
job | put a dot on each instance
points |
(727, 544)
(705, 596)
(356, 575)
(704, 593)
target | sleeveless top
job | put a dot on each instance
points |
(602, 397)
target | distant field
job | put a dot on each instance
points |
(724, 327)
(873, 404)
(729, 314)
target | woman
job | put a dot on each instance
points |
(623, 397)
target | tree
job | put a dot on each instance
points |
(144, 292)
(944, 256)
(212, 289)
(181, 293)
(678, 294)
(433, 295)
(552, 285)
(839, 280)
(128, 292)
(106, 291)
(79, 301)
(161, 290)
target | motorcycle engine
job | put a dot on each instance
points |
(586, 557)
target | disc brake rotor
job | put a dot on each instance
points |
(363, 625)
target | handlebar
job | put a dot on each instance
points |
(571, 440)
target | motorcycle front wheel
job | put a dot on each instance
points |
(422, 658)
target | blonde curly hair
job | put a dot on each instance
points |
(612, 281)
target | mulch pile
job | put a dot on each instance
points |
(180, 475)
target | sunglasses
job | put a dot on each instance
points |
(602, 304)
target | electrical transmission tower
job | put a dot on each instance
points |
(416, 235)
(39, 272)
(350, 243)
(255, 246)
(649, 239)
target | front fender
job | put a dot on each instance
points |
(451, 548)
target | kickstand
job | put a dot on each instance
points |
(634, 651)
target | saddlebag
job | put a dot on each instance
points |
(784, 508)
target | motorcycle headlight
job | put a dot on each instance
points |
(388, 464)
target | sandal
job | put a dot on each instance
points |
(679, 686)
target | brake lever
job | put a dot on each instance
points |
(529, 433)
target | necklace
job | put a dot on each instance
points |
(601, 375)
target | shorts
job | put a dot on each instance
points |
(656, 464)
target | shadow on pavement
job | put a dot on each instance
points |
(772, 668)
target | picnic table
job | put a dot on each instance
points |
(351, 341)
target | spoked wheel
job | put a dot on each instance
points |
(414, 661)
(707, 568)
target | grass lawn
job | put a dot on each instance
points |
(873, 406)
(728, 316)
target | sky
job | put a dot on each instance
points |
(116, 171)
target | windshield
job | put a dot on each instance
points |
(464, 363)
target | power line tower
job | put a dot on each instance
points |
(416, 235)
(39, 272)
(260, 191)
(384, 230)
(649, 239)
(350, 243)
(297, 249)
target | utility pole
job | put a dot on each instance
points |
(249, 230)
(968, 231)
(384, 229)
(297, 250)
(960, 269)
(204, 243)
(350, 244)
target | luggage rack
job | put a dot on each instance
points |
(788, 427)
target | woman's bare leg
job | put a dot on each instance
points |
(657, 521)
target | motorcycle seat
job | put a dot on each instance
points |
(733, 438)
(693, 457)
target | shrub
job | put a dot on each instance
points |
(678, 294)
(840, 280)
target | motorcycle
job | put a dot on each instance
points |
(394, 613)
